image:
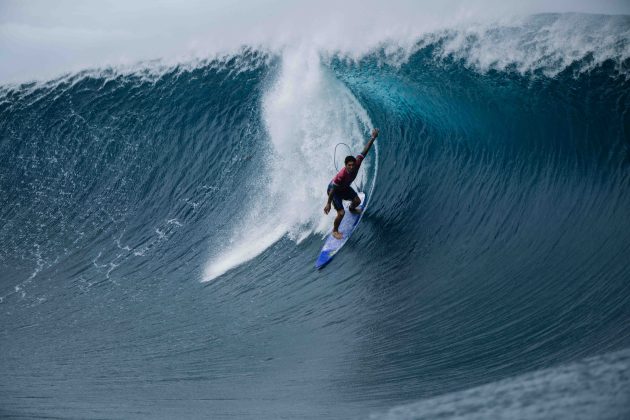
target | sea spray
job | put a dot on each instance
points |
(306, 113)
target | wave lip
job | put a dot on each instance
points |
(547, 43)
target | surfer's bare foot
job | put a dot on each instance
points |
(356, 210)
(337, 235)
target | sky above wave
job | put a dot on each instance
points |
(42, 39)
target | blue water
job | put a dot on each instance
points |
(157, 260)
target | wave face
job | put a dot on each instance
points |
(159, 230)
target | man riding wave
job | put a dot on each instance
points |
(339, 188)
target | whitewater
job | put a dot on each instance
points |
(163, 173)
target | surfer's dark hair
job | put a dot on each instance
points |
(349, 159)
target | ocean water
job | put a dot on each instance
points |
(159, 227)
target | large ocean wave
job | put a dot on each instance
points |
(159, 225)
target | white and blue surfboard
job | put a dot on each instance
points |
(348, 225)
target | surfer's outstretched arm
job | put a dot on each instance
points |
(366, 149)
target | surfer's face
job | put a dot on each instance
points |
(350, 166)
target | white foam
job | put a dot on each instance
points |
(244, 248)
(548, 43)
(306, 113)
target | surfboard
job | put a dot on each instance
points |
(348, 225)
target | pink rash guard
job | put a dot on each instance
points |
(345, 178)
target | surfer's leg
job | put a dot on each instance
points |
(356, 201)
(338, 205)
(335, 232)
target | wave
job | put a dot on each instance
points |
(494, 247)
(561, 392)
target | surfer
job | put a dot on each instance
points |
(339, 188)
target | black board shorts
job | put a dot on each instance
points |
(341, 193)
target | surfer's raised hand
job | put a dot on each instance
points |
(366, 149)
